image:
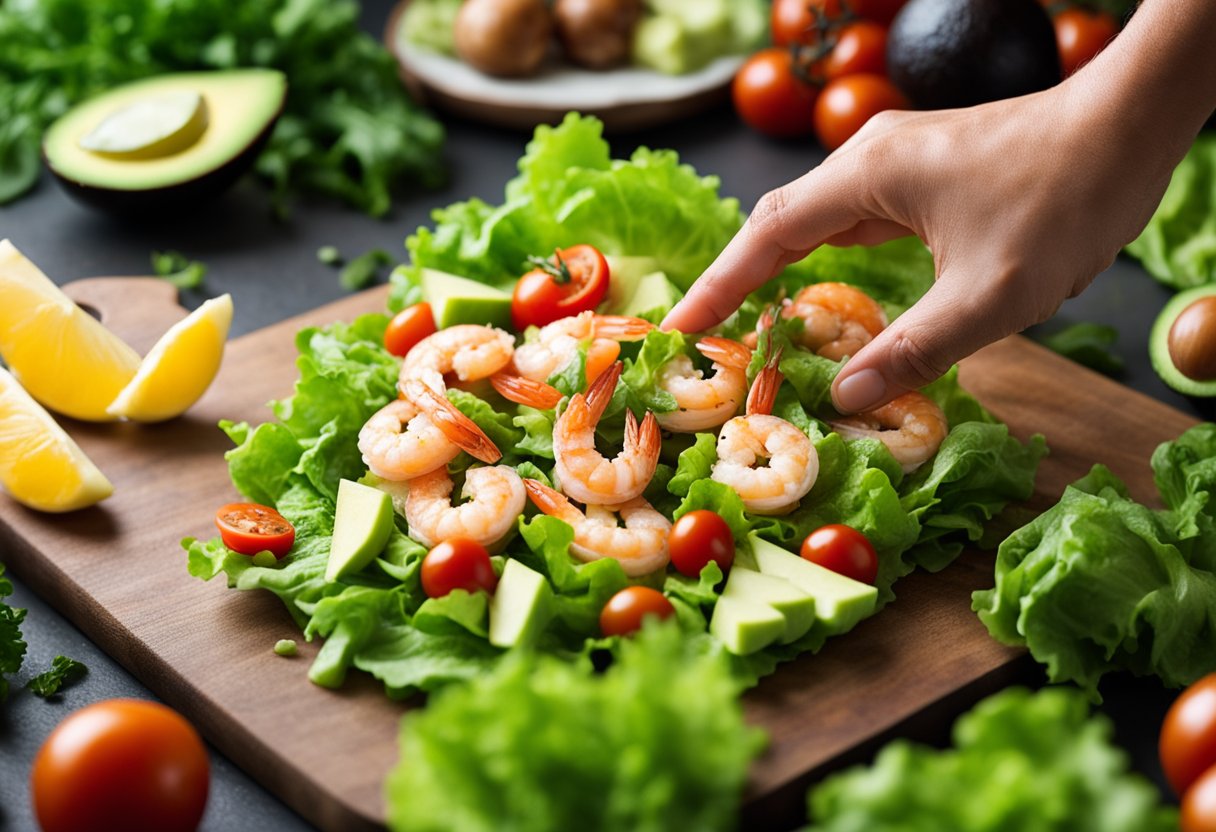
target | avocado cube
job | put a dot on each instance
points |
(522, 606)
(840, 602)
(794, 604)
(458, 300)
(363, 520)
(745, 626)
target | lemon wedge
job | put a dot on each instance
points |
(40, 465)
(180, 368)
(63, 357)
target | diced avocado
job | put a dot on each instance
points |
(624, 274)
(745, 626)
(363, 520)
(522, 606)
(684, 35)
(654, 292)
(794, 604)
(840, 602)
(458, 300)
(660, 43)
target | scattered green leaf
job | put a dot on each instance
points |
(63, 672)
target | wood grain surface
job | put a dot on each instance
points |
(118, 572)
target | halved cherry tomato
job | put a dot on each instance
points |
(848, 102)
(458, 563)
(860, 47)
(1081, 34)
(408, 327)
(249, 528)
(574, 280)
(625, 611)
(1199, 804)
(770, 96)
(699, 537)
(844, 550)
(1188, 735)
(121, 764)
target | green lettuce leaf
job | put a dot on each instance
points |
(896, 273)
(62, 672)
(656, 742)
(1021, 762)
(1146, 580)
(1090, 345)
(1178, 246)
(695, 464)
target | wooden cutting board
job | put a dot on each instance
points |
(118, 572)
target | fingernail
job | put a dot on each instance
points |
(860, 391)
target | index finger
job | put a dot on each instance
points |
(786, 225)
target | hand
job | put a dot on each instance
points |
(1022, 202)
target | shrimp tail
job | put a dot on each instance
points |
(599, 394)
(525, 391)
(459, 429)
(726, 352)
(763, 395)
(621, 327)
(548, 500)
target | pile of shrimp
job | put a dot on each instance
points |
(768, 461)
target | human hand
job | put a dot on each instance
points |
(1022, 202)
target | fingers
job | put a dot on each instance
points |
(786, 224)
(955, 318)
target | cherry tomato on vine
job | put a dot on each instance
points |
(699, 537)
(794, 21)
(458, 563)
(408, 327)
(573, 280)
(1199, 804)
(860, 47)
(844, 550)
(625, 611)
(1188, 735)
(849, 102)
(1081, 34)
(770, 96)
(249, 528)
(121, 764)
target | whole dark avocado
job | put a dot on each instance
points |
(956, 53)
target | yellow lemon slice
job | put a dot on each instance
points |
(40, 465)
(180, 368)
(63, 357)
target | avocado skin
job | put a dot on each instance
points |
(1159, 344)
(957, 53)
(182, 197)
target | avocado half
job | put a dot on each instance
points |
(1182, 343)
(169, 141)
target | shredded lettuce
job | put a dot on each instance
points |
(1101, 583)
(1021, 762)
(657, 742)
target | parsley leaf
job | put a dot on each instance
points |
(64, 671)
(12, 645)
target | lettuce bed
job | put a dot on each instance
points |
(569, 190)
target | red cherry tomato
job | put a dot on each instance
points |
(574, 280)
(408, 327)
(624, 612)
(844, 550)
(1188, 735)
(860, 47)
(1199, 804)
(793, 21)
(121, 764)
(1081, 34)
(249, 528)
(458, 563)
(770, 97)
(699, 537)
(849, 102)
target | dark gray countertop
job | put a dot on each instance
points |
(272, 272)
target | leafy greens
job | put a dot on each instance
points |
(348, 130)
(1101, 583)
(12, 644)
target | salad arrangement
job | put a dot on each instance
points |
(362, 578)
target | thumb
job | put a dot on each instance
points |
(949, 323)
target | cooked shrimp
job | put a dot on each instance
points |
(558, 342)
(705, 402)
(640, 546)
(495, 497)
(769, 462)
(401, 442)
(838, 319)
(522, 390)
(912, 427)
(583, 472)
(468, 351)
(454, 425)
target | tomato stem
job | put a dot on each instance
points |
(559, 271)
